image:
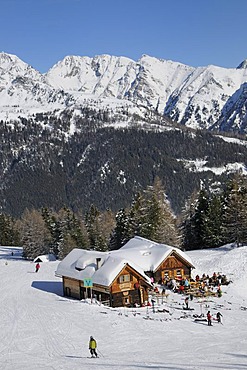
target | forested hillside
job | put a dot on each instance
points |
(42, 165)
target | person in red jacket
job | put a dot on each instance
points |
(209, 317)
(37, 267)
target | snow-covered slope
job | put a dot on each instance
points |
(203, 97)
(146, 81)
(234, 114)
(200, 100)
(43, 330)
(24, 91)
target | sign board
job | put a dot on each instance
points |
(88, 283)
(125, 286)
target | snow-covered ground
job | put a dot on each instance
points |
(43, 330)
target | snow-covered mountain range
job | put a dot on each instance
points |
(205, 97)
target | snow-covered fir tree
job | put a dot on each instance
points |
(67, 231)
(34, 235)
(120, 234)
(160, 221)
(136, 216)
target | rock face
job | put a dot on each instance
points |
(205, 97)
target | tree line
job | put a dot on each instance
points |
(209, 219)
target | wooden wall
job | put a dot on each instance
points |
(71, 287)
(131, 292)
(172, 267)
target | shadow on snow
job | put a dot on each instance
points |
(55, 287)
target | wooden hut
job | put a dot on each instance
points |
(122, 277)
(159, 261)
(114, 281)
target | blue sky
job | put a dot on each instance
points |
(193, 32)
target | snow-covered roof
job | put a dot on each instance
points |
(112, 266)
(45, 258)
(82, 264)
(139, 253)
(148, 253)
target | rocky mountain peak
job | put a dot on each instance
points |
(243, 65)
(9, 62)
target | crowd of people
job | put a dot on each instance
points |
(215, 280)
(204, 285)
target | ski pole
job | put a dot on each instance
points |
(101, 354)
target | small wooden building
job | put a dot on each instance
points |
(122, 277)
(173, 267)
(159, 261)
(116, 282)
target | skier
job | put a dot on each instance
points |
(186, 301)
(218, 316)
(37, 267)
(92, 347)
(209, 317)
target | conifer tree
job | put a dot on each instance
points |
(235, 214)
(94, 228)
(67, 231)
(120, 234)
(212, 224)
(78, 232)
(67, 245)
(136, 217)
(160, 223)
(187, 223)
(8, 233)
(193, 220)
(70, 232)
(53, 225)
(107, 222)
(152, 217)
(34, 235)
(63, 226)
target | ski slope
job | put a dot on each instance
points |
(43, 330)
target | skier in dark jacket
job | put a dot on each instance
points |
(186, 301)
(92, 347)
(218, 316)
(37, 267)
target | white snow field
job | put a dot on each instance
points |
(43, 330)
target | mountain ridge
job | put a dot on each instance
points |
(192, 96)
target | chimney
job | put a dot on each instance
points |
(98, 259)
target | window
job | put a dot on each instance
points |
(179, 273)
(124, 278)
(126, 300)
